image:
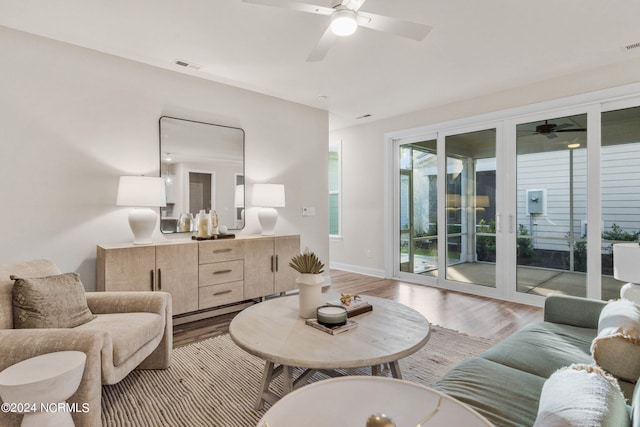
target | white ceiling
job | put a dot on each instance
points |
(475, 47)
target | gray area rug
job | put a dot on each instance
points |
(213, 383)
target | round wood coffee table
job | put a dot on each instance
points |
(273, 331)
(332, 403)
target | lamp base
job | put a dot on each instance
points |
(268, 218)
(142, 222)
(631, 292)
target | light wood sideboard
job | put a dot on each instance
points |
(201, 275)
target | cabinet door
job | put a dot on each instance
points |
(258, 267)
(286, 248)
(127, 269)
(177, 273)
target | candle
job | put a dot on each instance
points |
(331, 315)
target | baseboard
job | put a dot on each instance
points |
(357, 269)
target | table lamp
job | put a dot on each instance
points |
(142, 193)
(626, 267)
(268, 197)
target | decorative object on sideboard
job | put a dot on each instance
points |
(142, 193)
(268, 197)
(185, 222)
(203, 224)
(626, 267)
(309, 282)
(213, 222)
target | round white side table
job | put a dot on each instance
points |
(39, 387)
(350, 401)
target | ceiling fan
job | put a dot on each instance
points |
(550, 130)
(346, 17)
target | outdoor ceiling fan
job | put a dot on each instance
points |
(550, 130)
(346, 17)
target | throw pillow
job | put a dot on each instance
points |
(616, 349)
(50, 302)
(582, 396)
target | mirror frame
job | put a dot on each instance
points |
(160, 148)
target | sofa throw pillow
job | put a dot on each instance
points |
(616, 349)
(50, 302)
(581, 396)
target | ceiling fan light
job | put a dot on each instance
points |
(344, 22)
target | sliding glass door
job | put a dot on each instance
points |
(620, 189)
(522, 207)
(471, 207)
(551, 206)
(418, 182)
(446, 189)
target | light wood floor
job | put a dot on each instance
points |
(470, 314)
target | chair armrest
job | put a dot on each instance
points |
(574, 311)
(21, 344)
(129, 302)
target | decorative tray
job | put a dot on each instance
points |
(215, 237)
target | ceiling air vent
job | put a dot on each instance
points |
(632, 46)
(364, 116)
(186, 64)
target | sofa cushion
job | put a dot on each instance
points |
(542, 348)
(582, 395)
(505, 396)
(49, 302)
(128, 331)
(617, 347)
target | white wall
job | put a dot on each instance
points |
(362, 248)
(73, 120)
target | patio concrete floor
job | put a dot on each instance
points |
(532, 280)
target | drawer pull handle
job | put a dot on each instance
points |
(228, 291)
(222, 271)
(219, 251)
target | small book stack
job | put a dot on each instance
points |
(355, 307)
(358, 307)
(336, 330)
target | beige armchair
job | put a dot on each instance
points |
(131, 330)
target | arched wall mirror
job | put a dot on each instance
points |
(203, 168)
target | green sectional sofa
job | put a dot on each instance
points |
(505, 383)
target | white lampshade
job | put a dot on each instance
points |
(143, 193)
(268, 195)
(626, 267)
(626, 262)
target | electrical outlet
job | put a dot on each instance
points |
(308, 211)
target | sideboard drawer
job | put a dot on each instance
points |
(216, 251)
(221, 272)
(215, 295)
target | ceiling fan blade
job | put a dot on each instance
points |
(570, 130)
(395, 26)
(294, 5)
(322, 47)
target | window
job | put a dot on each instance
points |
(335, 184)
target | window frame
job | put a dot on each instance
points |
(336, 147)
